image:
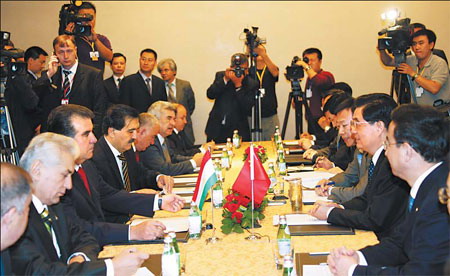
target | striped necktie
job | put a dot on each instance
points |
(66, 84)
(47, 220)
(166, 152)
(148, 82)
(126, 177)
(371, 168)
(171, 97)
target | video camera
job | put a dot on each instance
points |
(10, 67)
(252, 39)
(294, 74)
(236, 62)
(69, 14)
(396, 39)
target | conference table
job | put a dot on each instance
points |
(235, 255)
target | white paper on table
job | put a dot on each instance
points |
(316, 270)
(309, 179)
(173, 224)
(187, 199)
(304, 219)
(184, 190)
(185, 180)
(197, 169)
(290, 143)
(143, 271)
(216, 155)
(311, 197)
(300, 168)
(221, 146)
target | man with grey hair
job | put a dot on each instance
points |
(158, 156)
(53, 243)
(16, 198)
(178, 91)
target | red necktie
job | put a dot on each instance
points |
(83, 177)
(137, 156)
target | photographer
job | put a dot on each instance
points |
(95, 49)
(266, 76)
(317, 83)
(233, 93)
(428, 74)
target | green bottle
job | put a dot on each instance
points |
(218, 168)
(236, 139)
(281, 163)
(195, 222)
(284, 237)
(276, 136)
(230, 148)
(288, 266)
(225, 159)
(217, 194)
(169, 260)
(272, 176)
(173, 236)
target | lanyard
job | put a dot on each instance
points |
(90, 43)
(260, 77)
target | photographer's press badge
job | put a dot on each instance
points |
(262, 92)
(419, 92)
(64, 101)
(94, 55)
(308, 93)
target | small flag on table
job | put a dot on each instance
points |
(252, 170)
(206, 179)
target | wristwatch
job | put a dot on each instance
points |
(308, 68)
(160, 203)
(415, 76)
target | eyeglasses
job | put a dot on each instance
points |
(444, 195)
(386, 144)
(354, 123)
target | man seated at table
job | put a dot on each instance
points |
(381, 207)
(416, 146)
(53, 243)
(158, 156)
(91, 193)
(178, 141)
(115, 160)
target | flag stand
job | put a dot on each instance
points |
(213, 238)
(253, 236)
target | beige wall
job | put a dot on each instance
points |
(201, 36)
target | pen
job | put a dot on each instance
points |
(319, 253)
(328, 184)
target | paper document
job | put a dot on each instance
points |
(311, 197)
(291, 143)
(184, 190)
(185, 180)
(300, 168)
(143, 271)
(304, 219)
(175, 224)
(316, 270)
(187, 199)
(216, 155)
(309, 179)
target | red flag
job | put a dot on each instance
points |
(243, 184)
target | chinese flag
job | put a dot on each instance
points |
(243, 183)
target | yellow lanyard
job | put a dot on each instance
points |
(90, 43)
(260, 77)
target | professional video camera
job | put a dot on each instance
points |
(236, 62)
(396, 39)
(10, 68)
(69, 14)
(252, 39)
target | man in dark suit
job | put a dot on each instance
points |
(22, 100)
(68, 81)
(53, 243)
(233, 99)
(90, 192)
(417, 145)
(16, 198)
(178, 91)
(381, 207)
(158, 156)
(115, 160)
(112, 84)
(178, 141)
(142, 89)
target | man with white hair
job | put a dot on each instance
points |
(53, 243)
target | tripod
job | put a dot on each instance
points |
(8, 144)
(400, 85)
(297, 97)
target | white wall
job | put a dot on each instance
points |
(201, 36)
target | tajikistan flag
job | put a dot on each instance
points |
(206, 179)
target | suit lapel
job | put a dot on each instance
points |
(427, 185)
(42, 233)
(179, 96)
(77, 79)
(78, 184)
(60, 232)
(160, 149)
(142, 83)
(57, 80)
(111, 159)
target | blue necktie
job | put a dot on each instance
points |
(410, 203)
(371, 168)
(359, 156)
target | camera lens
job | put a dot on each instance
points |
(306, 60)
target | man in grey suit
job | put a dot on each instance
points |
(178, 91)
(157, 156)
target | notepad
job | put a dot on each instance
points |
(173, 224)
(187, 199)
(290, 143)
(184, 190)
(309, 197)
(304, 219)
(143, 271)
(216, 155)
(316, 270)
(309, 179)
(185, 180)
